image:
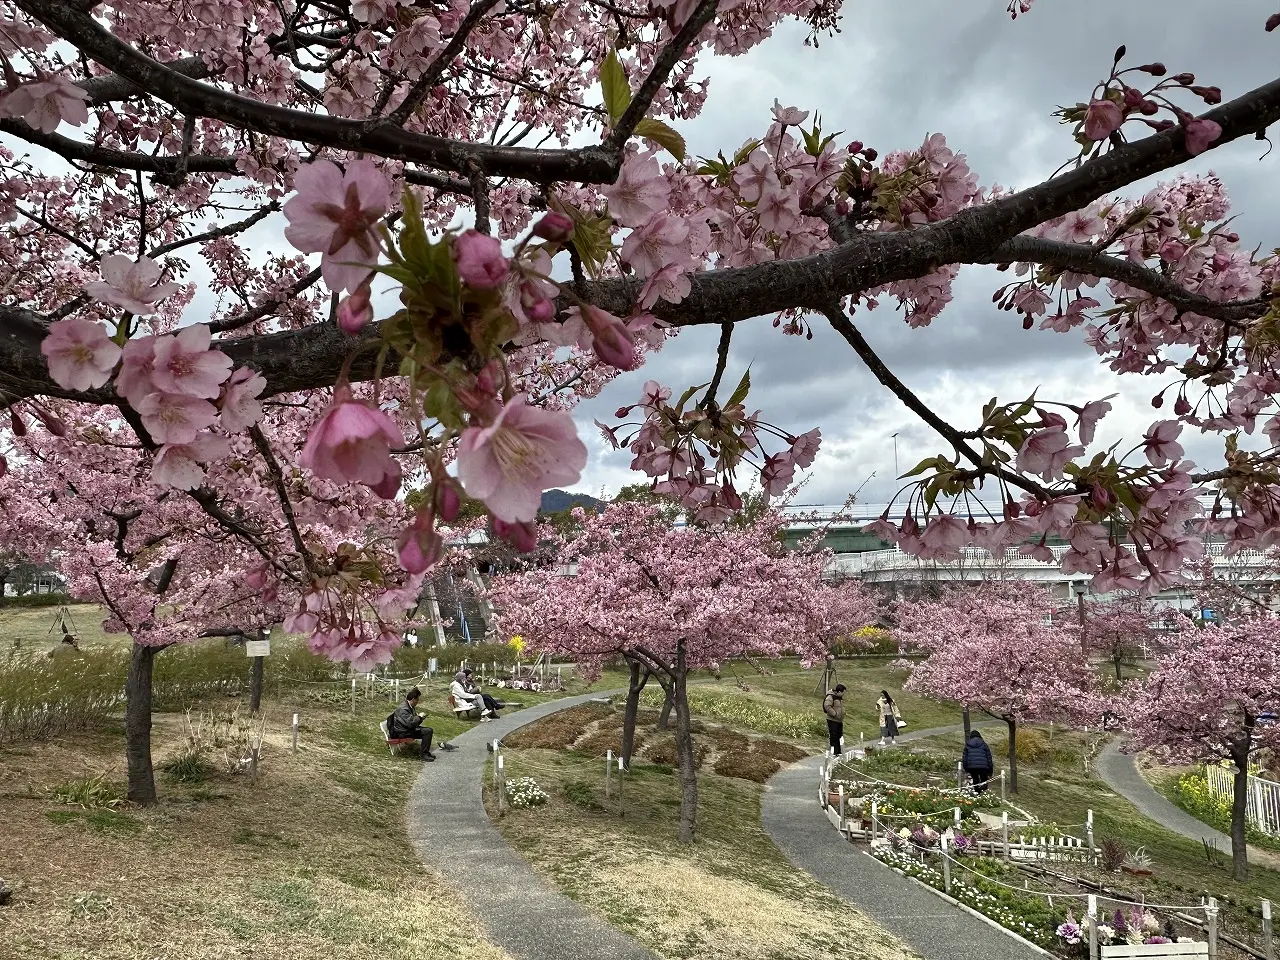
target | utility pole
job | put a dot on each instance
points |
(896, 472)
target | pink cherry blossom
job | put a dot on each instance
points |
(131, 286)
(804, 448)
(336, 214)
(610, 338)
(352, 443)
(175, 417)
(778, 473)
(639, 192)
(134, 380)
(944, 537)
(355, 311)
(553, 226)
(671, 284)
(657, 242)
(525, 451)
(419, 546)
(240, 408)
(81, 354)
(480, 260)
(791, 116)
(177, 465)
(46, 103)
(184, 363)
(523, 535)
(1087, 419)
(1046, 452)
(1160, 442)
(1200, 133)
(1102, 119)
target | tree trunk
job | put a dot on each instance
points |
(1013, 753)
(137, 725)
(968, 724)
(1119, 679)
(664, 718)
(255, 685)
(684, 749)
(1239, 805)
(638, 680)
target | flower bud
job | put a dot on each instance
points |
(1155, 69)
(17, 424)
(855, 147)
(842, 207)
(1157, 401)
(1273, 21)
(522, 535)
(610, 339)
(51, 423)
(869, 153)
(554, 226)
(1209, 95)
(1181, 406)
(1120, 52)
(487, 380)
(355, 311)
(1186, 79)
(448, 503)
(480, 261)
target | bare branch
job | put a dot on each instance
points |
(277, 481)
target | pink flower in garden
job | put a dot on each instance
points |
(659, 241)
(480, 260)
(1102, 119)
(241, 408)
(355, 311)
(46, 103)
(523, 536)
(352, 443)
(554, 226)
(184, 363)
(1160, 442)
(175, 417)
(610, 338)
(131, 286)
(805, 447)
(639, 192)
(1087, 419)
(81, 355)
(777, 473)
(419, 546)
(1200, 133)
(336, 214)
(524, 451)
(1046, 452)
(791, 116)
(177, 465)
(133, 382)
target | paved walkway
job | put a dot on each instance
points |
(1119, 771)
(520, 911)
(929, 925)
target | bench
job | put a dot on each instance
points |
(396, 742)
(1153, 951)
(461, 712)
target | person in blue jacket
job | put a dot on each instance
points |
(977, 761)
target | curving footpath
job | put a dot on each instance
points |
(928, 924)
(1119, 772)
(520, 911)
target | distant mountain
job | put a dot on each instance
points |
(553, 501)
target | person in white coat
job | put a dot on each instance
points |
(464, 697)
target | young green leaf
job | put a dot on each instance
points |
(740, 391)
(663, 135)
(614, 87)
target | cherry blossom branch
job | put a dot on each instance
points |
(1084, 258)
(841, 323)
(269, 307)
(722, 360)
(435, 70)
(229, 230)
(584, 164)
(662, 67)
(282, 493)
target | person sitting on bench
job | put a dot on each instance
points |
(406, 724)
(473, 688)
(466, 696)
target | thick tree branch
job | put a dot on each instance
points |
(1082, 258)
(282, 493)
(585, 164)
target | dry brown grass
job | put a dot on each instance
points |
(559, 730)
(312, 860)
(746, 766)
(784, 752)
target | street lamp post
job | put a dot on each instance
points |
(895, 455)
(1079, 586)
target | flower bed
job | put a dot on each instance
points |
(524, 792)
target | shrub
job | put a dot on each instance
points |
(581, 794)
(190, 766)
(91, 793)
(747, 766)
(785, 752)
(1031, 745)
(1114, 853)
(865, 640)
(524, 792)
(746, 712)
(663, 751)
(32, 600)
(42, 697)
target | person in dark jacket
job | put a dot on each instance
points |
(406, 724)
(833, 708)
(977, 761)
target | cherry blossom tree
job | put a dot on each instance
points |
(1202, 702)
(163, 136)
(1118, 629)
(991, 648)
(669, 600)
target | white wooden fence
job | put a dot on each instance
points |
(1263, 805)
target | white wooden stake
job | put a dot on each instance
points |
(959, 774)
(956, 812)
(1093, 927)
(295, 733)
(502, 785)
(946, 866)
(1267, 946)
(1088, 828)
(1004, 833)
(874, 818)
(1002, 794)
(608, 773)
(353, 696)
(841, 789)
(1211, 923)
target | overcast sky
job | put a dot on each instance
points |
(896, 72)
